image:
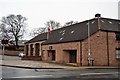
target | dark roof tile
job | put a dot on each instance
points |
(78, 31)
(40, 37)
(110, 24)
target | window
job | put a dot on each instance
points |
(63, 34)
(61, 38)
(72, 32)
(110, 22)
(102, 21)
(63, 30)
(117, 36)
(60, 31)
(118, 53)
(93, 22)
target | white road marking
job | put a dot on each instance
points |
(40, 76)
(98, 73)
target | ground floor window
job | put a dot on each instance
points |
(117, 36)
(118, 53)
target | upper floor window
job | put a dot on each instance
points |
(117, 36)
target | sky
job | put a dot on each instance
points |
(38, 12)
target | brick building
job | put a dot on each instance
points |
(69, 45)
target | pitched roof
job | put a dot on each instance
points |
(75, 32)
(40, 37)
(110, 24)
(78, 31)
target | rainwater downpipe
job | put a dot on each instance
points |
(107, 49)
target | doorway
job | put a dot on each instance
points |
(51, 55)
(37, 49)
(73, 56)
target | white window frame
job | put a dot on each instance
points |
(117, 53)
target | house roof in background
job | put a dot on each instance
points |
(21, 42)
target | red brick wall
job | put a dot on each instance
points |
(66, 56)
(97, 49)
(50, 56)
(62, 56)
(118, 44)
(112, 49)
(37, 58)
(11, 53)
(98, 46)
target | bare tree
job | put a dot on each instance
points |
(3, 31)
(14, 25)
(70, 23)
(37, 31)
(52, 24)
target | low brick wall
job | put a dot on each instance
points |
(11, 53)
(37, 58)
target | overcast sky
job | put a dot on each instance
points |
(39, 11)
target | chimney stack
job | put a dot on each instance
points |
(97, 15)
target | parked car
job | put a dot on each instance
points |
(21, 54)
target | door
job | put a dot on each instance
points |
(53, 55)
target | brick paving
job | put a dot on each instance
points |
(15, 61)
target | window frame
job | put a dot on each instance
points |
(117, 53)
(117, 35)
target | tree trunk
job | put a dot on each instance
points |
(16, 43)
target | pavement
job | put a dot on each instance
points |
(15, 61)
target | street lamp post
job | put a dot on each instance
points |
(3, 51)
(4, 41)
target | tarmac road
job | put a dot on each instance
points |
(10, 73)
(13, 73)
(71, 78)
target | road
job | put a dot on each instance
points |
(10, 73)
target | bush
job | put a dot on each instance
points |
(10, 48)
(21, 49)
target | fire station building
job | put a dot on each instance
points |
(92, 42)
